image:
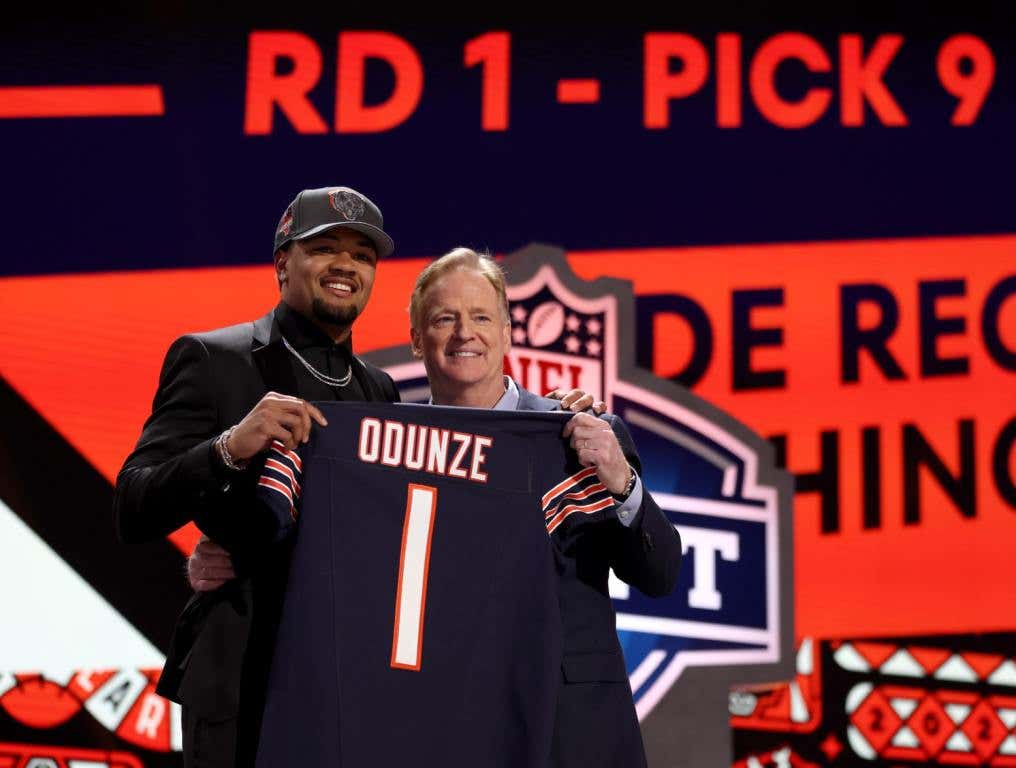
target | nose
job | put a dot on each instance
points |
(342, 261)
(464, 328)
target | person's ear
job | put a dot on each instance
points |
(416, 343)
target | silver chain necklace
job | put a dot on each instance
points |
(323, 378)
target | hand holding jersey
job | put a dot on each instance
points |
(210, 565)
(596, 445)
(275, 417)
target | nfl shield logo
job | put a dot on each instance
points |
(730, 618)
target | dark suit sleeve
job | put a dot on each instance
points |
(391, 390)
(172, 472)
(646, 554)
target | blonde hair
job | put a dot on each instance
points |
(457, 258)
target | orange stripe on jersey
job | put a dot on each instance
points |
(275, 485)
(568, 481)
(294, 457)
(586, 509)
(278, 466)
(592, 490)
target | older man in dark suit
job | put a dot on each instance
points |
(461, 330)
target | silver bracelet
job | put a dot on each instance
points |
(237, 465)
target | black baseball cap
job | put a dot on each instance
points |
(317, 210)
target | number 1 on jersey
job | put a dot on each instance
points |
(414, 565)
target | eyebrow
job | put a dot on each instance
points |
(363, 242)
(472, 310)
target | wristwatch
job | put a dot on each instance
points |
(628, 487)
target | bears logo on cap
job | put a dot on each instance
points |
(349, 204)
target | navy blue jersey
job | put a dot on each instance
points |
(421, 623)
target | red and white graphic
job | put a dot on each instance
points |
(780, 758)
(561, 348)
(927, 662)
(794, 707)
(40, 756)
(917, 725)
(286, 223)
(122, 701)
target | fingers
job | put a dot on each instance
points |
(275, 417)
(281, 432)
(223, 571)
(599, 407)
(209, 567)
(596, 445)
(207, 585)
(304, 414)
(205, 562)
(207, 553)
(587, 457)
(590, 438)
(316, 414)
(206, 546)
(574, 400)
(297, 425)
(582, 420)
(297, 415)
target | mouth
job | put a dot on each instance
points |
(464, 353)
(339, 287)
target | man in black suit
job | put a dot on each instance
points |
(460, 328)
(223, 396)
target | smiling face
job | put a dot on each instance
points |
(328, 278)
(462, 334)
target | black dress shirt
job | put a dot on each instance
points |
(318, 350)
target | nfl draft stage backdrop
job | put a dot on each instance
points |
(769, 242)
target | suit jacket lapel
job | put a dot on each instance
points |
(530, 402)
(371, 388)
(271, 357)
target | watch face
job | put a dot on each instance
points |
(629, 486)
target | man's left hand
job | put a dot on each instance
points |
(596, 445)
(209, 566)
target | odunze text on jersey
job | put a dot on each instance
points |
(427, 449)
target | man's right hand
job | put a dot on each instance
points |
(209, 566)
(276, 417)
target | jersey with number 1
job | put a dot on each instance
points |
(421, 623)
